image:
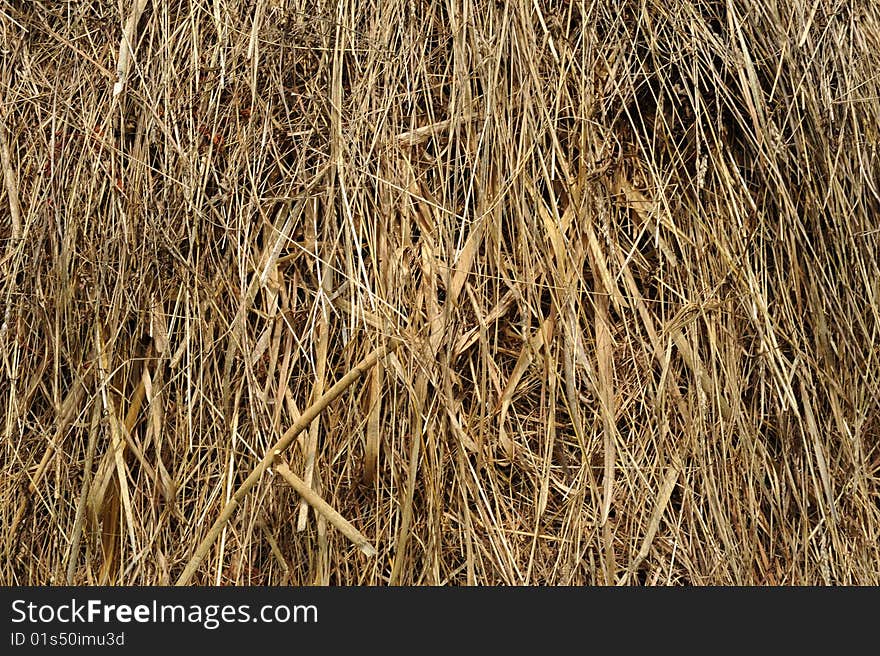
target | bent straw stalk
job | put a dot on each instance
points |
(299, 426)
(310, 497)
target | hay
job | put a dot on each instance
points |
(629, 250)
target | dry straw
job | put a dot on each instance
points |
(625, 254)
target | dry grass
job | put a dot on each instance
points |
(630, 249)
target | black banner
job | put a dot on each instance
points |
(58, 619)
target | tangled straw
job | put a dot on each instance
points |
(279, 447)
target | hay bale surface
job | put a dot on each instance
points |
(627, 254)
